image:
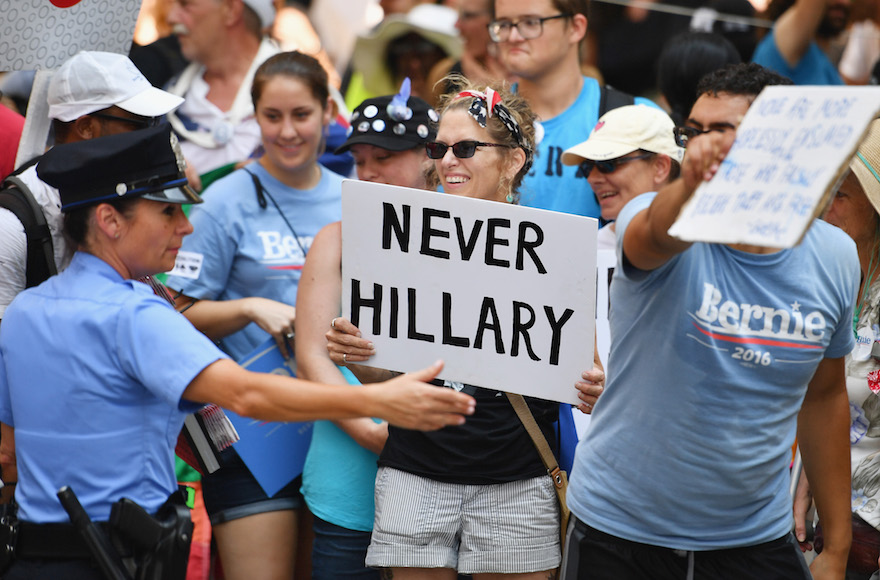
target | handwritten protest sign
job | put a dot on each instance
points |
(505, 295)
(791, 150)
(42, 34)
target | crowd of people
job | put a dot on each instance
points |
(188, 210)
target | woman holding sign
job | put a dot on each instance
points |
(238, 276)
(487, 477)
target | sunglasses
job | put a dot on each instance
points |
(462, 149)
(610, 166)
(683, 134)
(139, 122)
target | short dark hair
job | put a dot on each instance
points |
(744, 79)
(684, 61)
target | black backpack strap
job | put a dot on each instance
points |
(17, 198)
(611, 98)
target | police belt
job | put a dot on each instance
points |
(59, 541)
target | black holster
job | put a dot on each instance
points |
(160, 543)
(8, 535)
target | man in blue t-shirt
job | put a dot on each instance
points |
(538, 41)
(719, 354)
(799, 43)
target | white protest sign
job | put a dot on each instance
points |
(42, 34)
(505, 295)
(791, 149)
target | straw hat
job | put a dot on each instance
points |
(431, 21)
(866, 164)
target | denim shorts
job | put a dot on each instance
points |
(339, 553)
(232, 492)
(504, 528)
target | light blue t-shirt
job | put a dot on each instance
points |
(246, 250)
(552, 185)
(814, 68)
(711, 354)
(339, 476)
(92, 369)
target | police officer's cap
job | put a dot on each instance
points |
(146, 163)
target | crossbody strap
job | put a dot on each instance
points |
(528, 421)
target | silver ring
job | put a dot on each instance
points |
(345, 354)
(288, 336)
(333, 323)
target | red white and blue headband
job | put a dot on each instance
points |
(481, 109)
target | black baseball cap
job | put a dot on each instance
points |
(396, 127)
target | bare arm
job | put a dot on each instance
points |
(823, 437)
(404, 401)
(647, 244)
(318, 298)
(796, 28)
(220, 318)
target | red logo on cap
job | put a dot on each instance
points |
(599, 125)
(64, 3)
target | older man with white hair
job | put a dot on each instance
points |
(225, 43)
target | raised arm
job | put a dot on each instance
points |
(647, 244)
(823, 437)
(405, 401)
(796, 28)
(318, 298)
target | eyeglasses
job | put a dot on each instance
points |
(685, 134)
(610, 166)
(139, 122)
(529, 27)
(462, 149)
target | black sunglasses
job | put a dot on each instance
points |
(610, 166)
(139, 122)
(462, 149)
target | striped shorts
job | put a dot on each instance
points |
(506, 528)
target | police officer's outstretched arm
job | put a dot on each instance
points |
(405, 401)
(647, 244)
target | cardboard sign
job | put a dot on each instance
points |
(275, 452)
(504, 294)
(791, 150)
(42, 34)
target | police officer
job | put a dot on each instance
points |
(97, 373)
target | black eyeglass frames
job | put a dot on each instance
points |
(462, 149)
(683, 134)
(529, 27)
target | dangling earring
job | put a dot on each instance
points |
(509, 198)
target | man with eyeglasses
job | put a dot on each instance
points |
(538, 41)
(720, 354)
(93, 94)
